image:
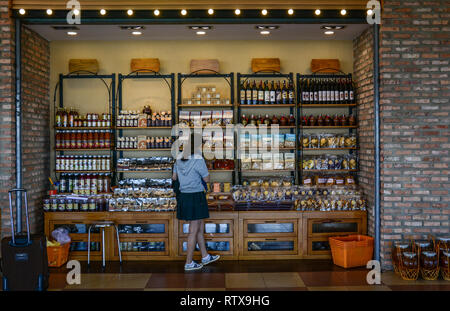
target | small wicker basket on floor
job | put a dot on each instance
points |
(430, 275)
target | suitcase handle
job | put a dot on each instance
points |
(10, 192)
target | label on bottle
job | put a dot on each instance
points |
(266, 96)
(346, 95)
(328, 95)
(336, 96)
(278, 97)
(311, 96)
(249, 97)
(272, 96)
(341, 96)
(332, 96)
(319, 96)
(351, 96)
(291, 94)
(242, 97)
(316, 96)
(260, 96)
(255, 97)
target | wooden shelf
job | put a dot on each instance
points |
(93, 172)
(143, 128)
(318, 149)
(280, 127)
(328, 171)
(84, 128)
(267, 105)
(99, 149)
(329, 127)
(327, 105)
(268, 149)
(204, 106)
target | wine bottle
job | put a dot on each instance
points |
(243, 93)
(341, 92)
(352, 92)
(336, 92)
(331, 92)
(328, 92)
(260, 94)
(291, 93)
(254, 94)
(311, 92)
(266, 93)
(346, 90)
(278, 99)
(316, 92)
(284, 94)
(272, 93)
(248, 94)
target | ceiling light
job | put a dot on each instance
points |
(329, 32)
(369, 12)
(49, 11)
(76, 12)
(72, 33)
(183, 12)
(332, 27)
(269, 27)
(137, 33)
(264, 12)
(317, 12)
(156, 12)
(22, 11)
(102, 11)
(210, 11)
(201, 33)
(290, 11)
(343, 12)
(130, 12)
(237, 12)
(265, 32)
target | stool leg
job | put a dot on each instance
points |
(118, 243)
(89, 245)
(103, 247)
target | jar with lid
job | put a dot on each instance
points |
(398, 249)
(76, 205)
(69, 205)
(95, 140)
(443, 243)
(54, 205)
(58, 139)
(429, 260)
(93, 188)
(445, 260)
(67, 139)
(61, 205)
(423, 246)
(92, 205)
(85, 206)
(409, 260)
(47, 205)
(107, 139)
(87, 184)
(84, 139)
(100, 183)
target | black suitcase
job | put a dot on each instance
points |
(24, 257)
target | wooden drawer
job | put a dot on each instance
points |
(272, 228)
(221, 246)
(270, 246)
(333, 226)
(79, 243)
(214, 228)
(142, 247)
(318, 246)
(143, 228)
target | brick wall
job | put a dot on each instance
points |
(414, 67)
(363, 77)
(35, 119)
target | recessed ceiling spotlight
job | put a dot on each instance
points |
(290, 11)
(156, 12)
(183, 12)
(130, 12)
(369, 12)
(206, 27)
(201, 33)
(237, 12)
(332, 27)
(268, 27)
(76, 12)
(49, 11)
(22, 11)
(317, 12)
(210, 11)
(329, 32)
(265, 32)
(264, 12)
(137, 33)
(343, 12)
(72, 33)
(200, 27)
(103, 12)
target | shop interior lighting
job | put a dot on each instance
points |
(137, 33)
(200, 27)
(183, 12)
(329, 32)
(332, 27)
(343, 12)
(264, 12)
(102, 11)
(210, 11)
(201, 33)
(317, 12)
(76, 12)
(290, 11)
(130, 12)
(49, 11)
(72, 33)
(237, 12)
(156, 12)
(22, 11)
(132, 27)
(268, 27)
(369, 12)
(265, 32)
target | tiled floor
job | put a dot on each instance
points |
(298, 275)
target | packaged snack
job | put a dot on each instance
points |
(256, 161)
(323, 140)
(227, 117)
(340, 141)
(255, 140)
(267, 163)
(281, 142)
(278, 161)
(195, 119)
(289, 141)
(266, 141)
(206, 118)
(305, 141)
(289, 161)
(314, 141)
(352, 162)
(330, 181)
(184, 117)
(307, 181)
(332, 141)
(217, 117)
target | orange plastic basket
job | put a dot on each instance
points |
(58, 255)
(351, 251)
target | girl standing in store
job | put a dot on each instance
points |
(191, 175)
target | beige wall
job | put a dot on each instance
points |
(234, 56)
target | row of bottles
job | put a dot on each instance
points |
(82, 139)
(84, 184)
(267, 93)
(327, 91)
(72, 118)
(281, 121)
(83, 163)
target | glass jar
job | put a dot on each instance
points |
(61, 205)
(54, 205)
(69, 205)
(445, 260)
(92, 205)
(47, 205)
(398, 249)
(409, 260)
(423, 246)
(429, 260)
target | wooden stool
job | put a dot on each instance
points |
(102, 225)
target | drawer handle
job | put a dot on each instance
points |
(271, 239)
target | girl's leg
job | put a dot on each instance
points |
(192, 239)
(201, 238)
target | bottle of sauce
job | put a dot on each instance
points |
(58, 140)
(90, 140)
(66, 140)
(84, 140)
(64, 116)
(71, 116)
(107, 139)
(79, 139)
(95, 143)
(93, 189)
(100, 179)
(291, 120)
(58, 118)
(101, 139)
(73, 139)
(106, 183)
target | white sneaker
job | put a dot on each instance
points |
(192, 266)
(209, 259)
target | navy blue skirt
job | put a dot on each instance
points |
(192, 206)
